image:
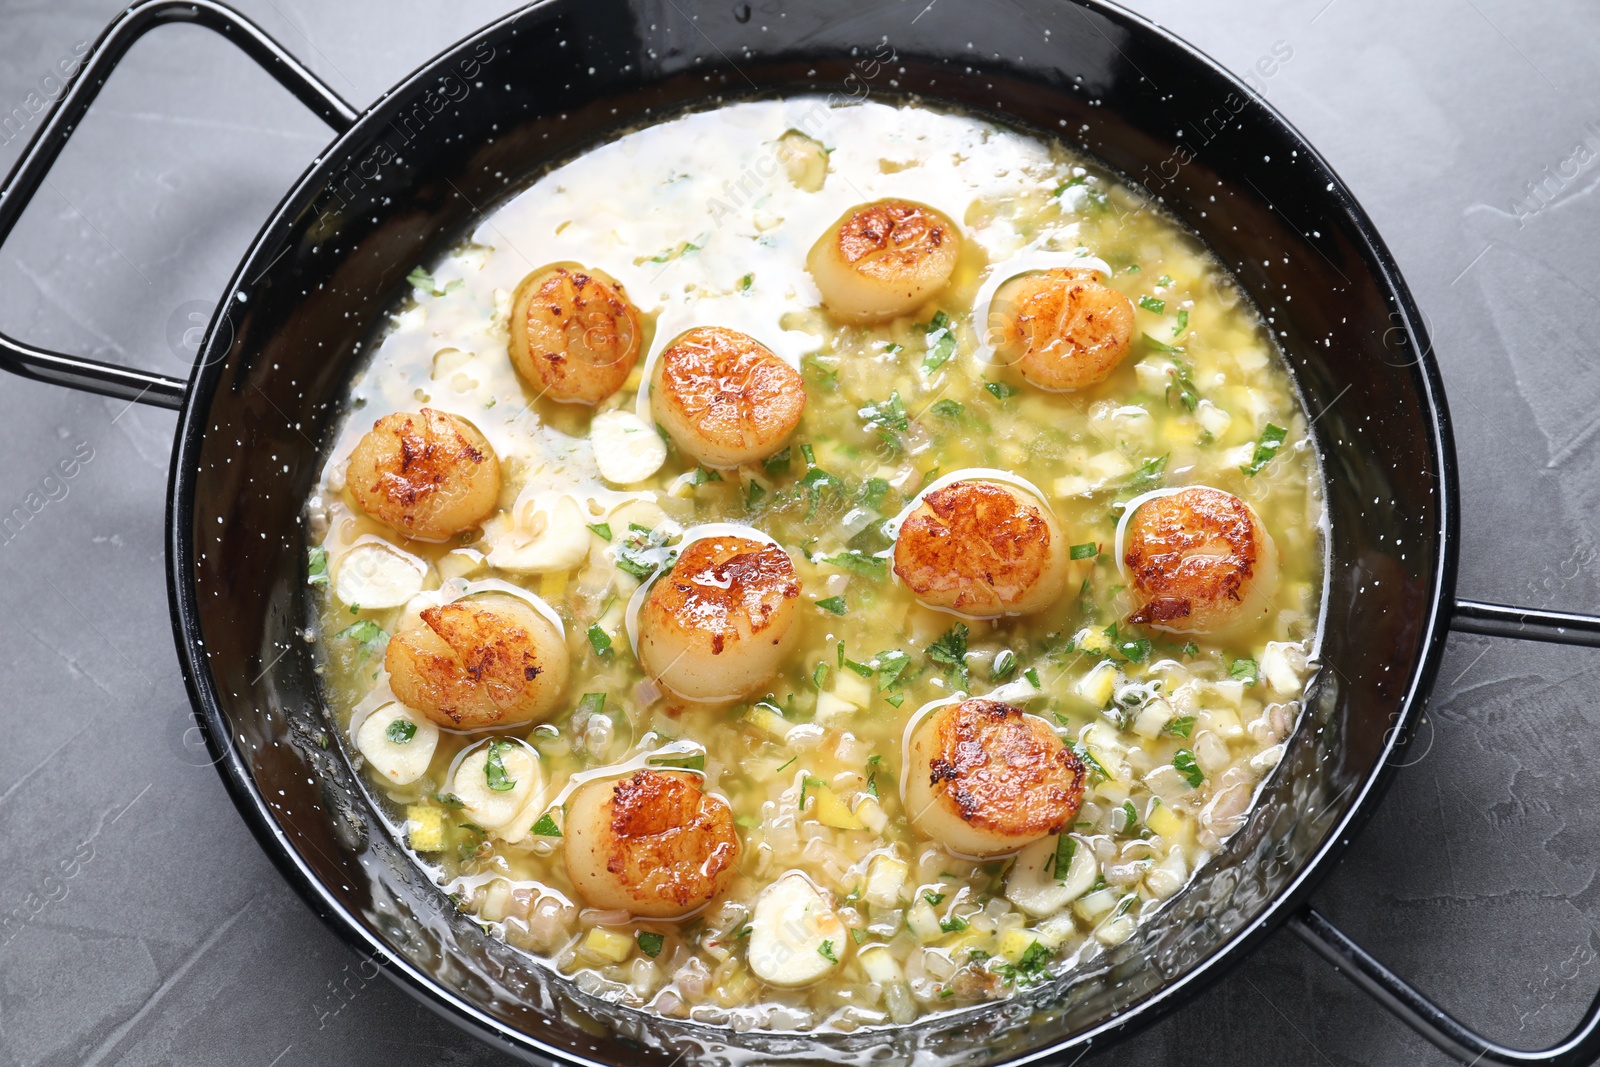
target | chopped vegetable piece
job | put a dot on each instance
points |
(601, 530)
(546, 826)
(1184, 760)
(1244, 670)
(1267, 447)
(650, 943)
(599, 640)
(834, 604)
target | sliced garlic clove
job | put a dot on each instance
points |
(375, 574)
(626, 448)
(1033, 884)
(474, 782)
(397, 743)
(549, 535)
(795, 937)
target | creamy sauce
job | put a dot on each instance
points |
(704, 221)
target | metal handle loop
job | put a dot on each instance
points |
(31, 169)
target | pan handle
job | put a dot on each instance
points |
(1582, 1045)
(30, 171)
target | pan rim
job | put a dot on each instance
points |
(253, 807)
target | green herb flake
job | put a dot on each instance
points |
(953, 925)
(1191, 650)
(857, 934)
(834, 605)
(1130, 816)
(591, 704)
(891, 665)
(873, 493)
(892, 349)
(894, 700)
(1033, 678)
(941, 343)
(874, 567)
(421, 279)
(650, 943)
(1000, 390)
(933, 899)
(494, 768)
(1151, 473)
(1084, 551)
(1181, 383)
(744, 287)
(700, 476)
(820, 675)
(1150, 303)
(1165, 281)
(950, 650)
(371, 637)
(887, 418)
(1184, 760)
(1182, 726)
(948, 409)
(546, 826)
(1086, 757)
(601, 530)
(599, 640)
(693, 762)
(317, 566)
(1183, 322)
(778, 462)
(1004, 666)
(1061, 862)
(754, 493)
(825, 950)
(1244, 670)
(401, 731)
(1271, 440)
(449, 800)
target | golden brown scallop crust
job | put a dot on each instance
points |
(1003, 771)
(574, 334)
(429, 474)
(886, 239)
(972, 547)
(737, 394)
(1061, 329)
(670, 841)
(1196, 545)
(473, 664)
(722, 587)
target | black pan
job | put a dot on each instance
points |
(406, 178)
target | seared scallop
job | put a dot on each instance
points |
(1061, 329)
(986, 779)
(1198, 561)
(724, 398)
(982, 549)
(654, 843)
(487, 661)
(430, 475)
(719, 624)
(574, 333)
(883, 259)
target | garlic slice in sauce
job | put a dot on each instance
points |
(375, 574)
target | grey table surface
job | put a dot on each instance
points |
(139, 922)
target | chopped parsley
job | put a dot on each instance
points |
(834, 605)
(874, 567)
(950, 650)
(546, 826)
(933, 899)
(825, 950)
(1267, 447)
(599, 640)
(1150, 303)
(601, 530)
(820, 675)
(1000, 390)
(1084, 551)
(778, 462)
(1181, 382)
(421, 279)
(494, 768)
(372, 638)
(636, 554)
(941, 342)
(1086, 757)
(1004, 666)
(1244, 670)
(650, 943)
(857, 934)
(317, 566)
(1033, 678)
(1185, 762)
(700, 476)
(887, 418)
(591, 704)
(947, 409)
(1061, 862)
(1132, 649)
(1182, 726)
(754, 493)
(693, 762)
(744, 287)
(953, 925)
(873, 492)
(1183, 322)
(1191, 650)
(401, 731)
(891, 665)
(1151, 473)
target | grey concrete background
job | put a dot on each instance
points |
(139, 922)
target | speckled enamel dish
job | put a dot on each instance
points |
(407, 179)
